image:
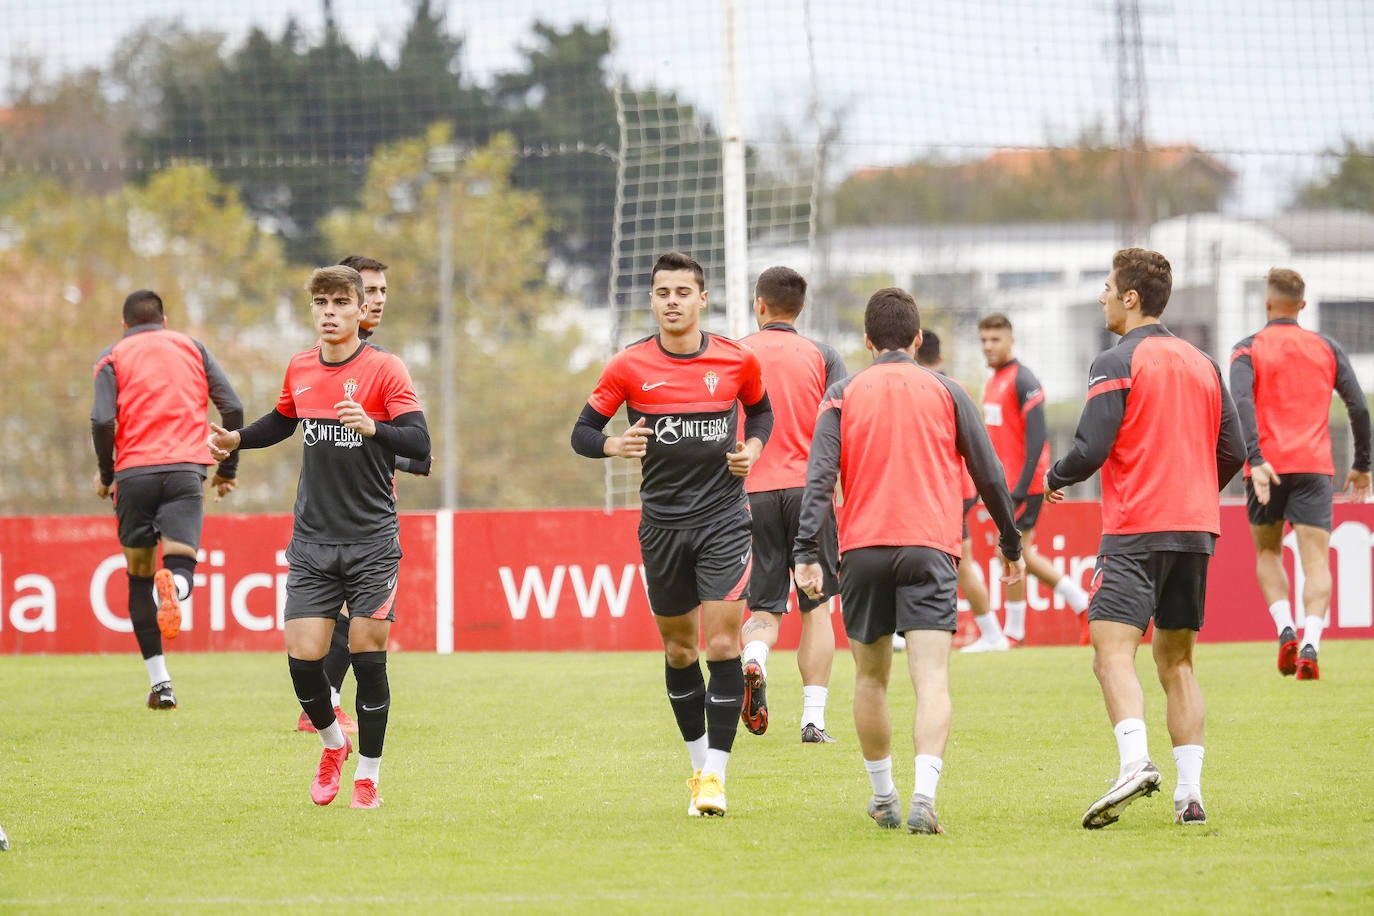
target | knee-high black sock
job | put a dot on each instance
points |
(337, 661)
(183, 570)
(143, 615)
(374, 701)
(724, 700)
(312, 689)
(687, 694)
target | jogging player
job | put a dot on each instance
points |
(897, 437)
(797, 371)
(1161, 427)
(358, 410)
(1014, 411)
(148, 424)
(1282, 378)
(681, 388)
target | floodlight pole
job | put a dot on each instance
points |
(738, 302)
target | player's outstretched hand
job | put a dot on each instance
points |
(1358, 483)
(633, 444)
(1052, 495)
(1014, 571)
(1263, 476)
(222, 486)
(809, 579)
(222, 442)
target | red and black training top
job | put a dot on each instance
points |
(1282, 379)
(1164, 432)
(1014, 411)
(898, 436)
(690, 401)
(797, 371)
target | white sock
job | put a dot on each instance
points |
(1015, 627)
(880, 774)
(368, 768)
(813, 706)
(756, 650)
(333, 736)
(928, 768)
(1188, 757)
(715, 764)
(1312, 632)
(1072, 593)
(1131, 742)
(1282, 612)
(157, 670)
(698, 749)
(988, 627)
(335, 698)
(183, 586)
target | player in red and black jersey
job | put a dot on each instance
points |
(1282, 380)
(357, 409)
(1014, 411)
(1161, 427)
(148, 426)
(897, 437)
(797, 371)
(682, 389)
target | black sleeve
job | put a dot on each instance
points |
(758, 420)
(835, 369)
(588, 440)
(1097, 430)
(407, 435)
(268, 429)
(822, 470)
(103, 435)
(1036, 436)
(1348, 387)
(226, 401)
(103, 412)
(1243, 393)
(1230, 444)
(412, 466)
(971, 439)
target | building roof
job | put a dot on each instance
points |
(1324, 230)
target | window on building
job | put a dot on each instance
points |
(1019, 279)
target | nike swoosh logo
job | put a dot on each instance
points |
(679, 696)
(726, 701)
(1094, 381)
(372, 708)
(391, 583)
(647, 387)
(301, 391)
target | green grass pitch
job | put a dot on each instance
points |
(555, 783)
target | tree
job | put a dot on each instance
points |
(1350, 186)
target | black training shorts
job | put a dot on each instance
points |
(322, 577)
(1299, 499)
(776, 514)
(164, 504)
(1167, 585)
(686, 566)
(895, 589)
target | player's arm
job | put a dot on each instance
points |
(589, 441)
(103, 413)
(980, 458)
(226, 401)
(835, 369)
(412, 466)
(1243, 395)
(407, 435)
(1230, 441)
(758, 427)
(818, 499)
(1098, 425)
(265, 431)
(1348, 387)
(1030, 398)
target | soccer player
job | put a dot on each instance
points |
(1161, 427)
(898, 437)
(797, 372)
(990, 636)
(1282, 378)
(1014, 411)
(359, 410)
(681, 388)
(338, 661)
(148, 424)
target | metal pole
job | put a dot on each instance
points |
(448, 387)
(738, 302)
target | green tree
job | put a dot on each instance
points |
(1350, 186)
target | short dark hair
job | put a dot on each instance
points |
(995, 322)
(361, 263)
(783, 289)
(928, 353)
(332, 279)
(1149, 274)
(143, 306)
(1286, 284)
(676, 260)
(891, 319)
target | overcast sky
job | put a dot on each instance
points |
(1266, 85)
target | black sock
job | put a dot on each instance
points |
(724, 701)
(312, 689)
(182, 568)
(687, 694)
(336, 662)
(374, 701)
(143, 615)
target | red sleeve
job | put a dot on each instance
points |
(399, 390)
(286, 404)
(751, 389)
(609, 393)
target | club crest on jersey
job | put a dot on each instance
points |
(350, 388)
(711, 380)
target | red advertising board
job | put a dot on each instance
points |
(543, 580)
